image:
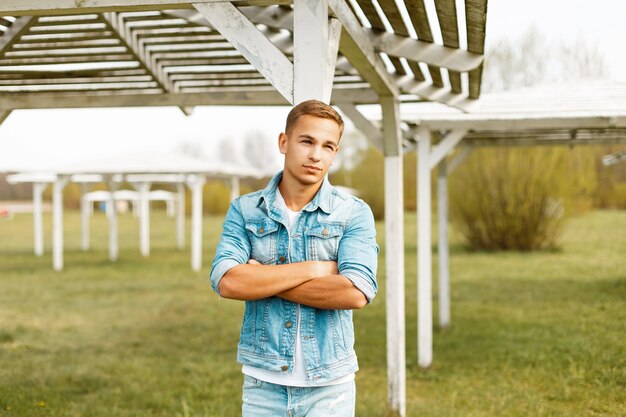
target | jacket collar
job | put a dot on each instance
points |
(321, 199)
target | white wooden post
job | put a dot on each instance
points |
(180, 215)
(444, 272)
(57, 222)
(315, 50)
(111, 210)
(234, 188)
(144, 218)
(84, 216)
(424, 255)
(196, 183)
(394, 259)
(38, 189)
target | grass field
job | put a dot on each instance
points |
(539, 334)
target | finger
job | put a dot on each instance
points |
(253, 262)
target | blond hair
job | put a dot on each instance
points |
(314, 108)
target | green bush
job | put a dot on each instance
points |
(518, 199)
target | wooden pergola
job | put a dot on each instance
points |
(120, 53)
(592, 113)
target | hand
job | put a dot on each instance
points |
(253, 262)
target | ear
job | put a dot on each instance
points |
(282, 143)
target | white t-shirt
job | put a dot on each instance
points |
(298, 377)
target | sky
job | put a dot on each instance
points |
(39, 138)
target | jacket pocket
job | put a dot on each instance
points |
(263, 238)
(323, 242)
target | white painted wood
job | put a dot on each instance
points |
(392, 144)
(311, 72)
(112, 217)
(235, 190)
(209, 97)
(252, 44)
(13, 33)
(424, 254)
(443, 256)
(38, 189)
(57, 222)
(445, 146)
(394, 264)
(420, 51)
(85, 212)
(356, 46)
(394, 261)
(458, 159)
(144, 217)
(4, 114)
(48, 7)
(373, 134)
(196, 183)
(180, 216)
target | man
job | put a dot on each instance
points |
(301, 255)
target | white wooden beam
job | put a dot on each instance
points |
(445, 146)
(443, 254)
(62, 7)
(85, 213)
(144, 217)
(356, 46)
(394, 261)
(373, 133)
(426, 52)
(311, 60)
(4, 114)
(424, 254)
(180, 216)
(57, 222)
(196, 183)
(112, 218)
(212, 97)
(234, 188)
(38, 189)
(252, 44)
(116, 23)
(391, 122)
(14, 32)
(459, 158)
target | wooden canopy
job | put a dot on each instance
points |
(55, 54)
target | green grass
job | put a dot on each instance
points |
(533, 334)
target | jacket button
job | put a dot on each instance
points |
(284, 368)
(281, 259)
(261, 229)
(324, 232)
(288, 324)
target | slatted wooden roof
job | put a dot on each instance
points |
(593, 112)
(163, 52)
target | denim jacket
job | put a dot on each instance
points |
(333, 227)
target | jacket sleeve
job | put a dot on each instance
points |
(234, 246)
(357, 257)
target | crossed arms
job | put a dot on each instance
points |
(348, 283)
(312, 283)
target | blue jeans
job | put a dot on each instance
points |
(264, 399)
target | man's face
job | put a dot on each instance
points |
(309, 148)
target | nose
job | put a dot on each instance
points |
(315, 153)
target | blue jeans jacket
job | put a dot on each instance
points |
(333, 227)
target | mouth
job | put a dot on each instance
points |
(312, 168)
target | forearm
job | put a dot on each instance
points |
(255, 281)
(333, 292)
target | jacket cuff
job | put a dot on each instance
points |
(218, 272)
(362, 284)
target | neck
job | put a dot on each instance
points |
(295, 194)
